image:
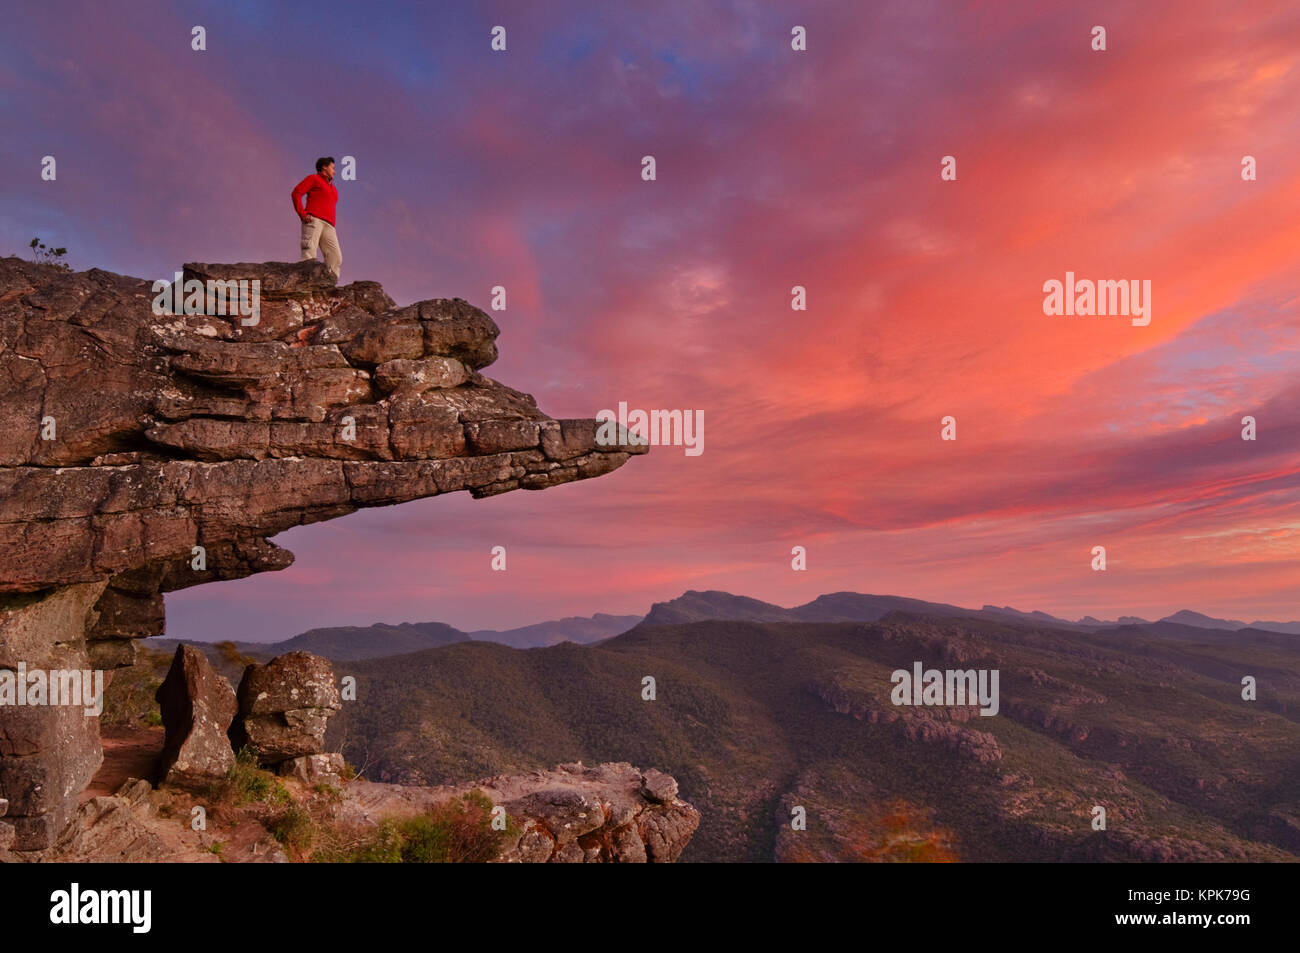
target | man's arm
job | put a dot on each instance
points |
(299, 191)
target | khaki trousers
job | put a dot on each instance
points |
(317, 232)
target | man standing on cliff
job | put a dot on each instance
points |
(318, 217)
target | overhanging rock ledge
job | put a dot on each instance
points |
(145, 453)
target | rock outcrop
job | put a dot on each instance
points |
(939, 725)
(143, 453)
(605, 813)
(122, 828)
(284, 706)
(48, 753)
(313, 769)
(197, 707)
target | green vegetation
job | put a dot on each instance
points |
(258, 793)
(128, 697)
(293, 827)
(49, 256)
(231, 653)
(246, 783)
(456, 831)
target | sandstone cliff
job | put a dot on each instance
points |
(145, 453)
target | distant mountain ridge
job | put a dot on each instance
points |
(1290, 628)
(348, 643)
(381, 640)
(580, 629)
(1201, 621)
(698, 606)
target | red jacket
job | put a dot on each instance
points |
(321, 197)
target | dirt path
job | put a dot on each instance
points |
(128, 753)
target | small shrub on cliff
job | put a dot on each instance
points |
(384, 846)
(458, 831)
(294, 828)
(329, 792)
(49, 256)
(246, 782)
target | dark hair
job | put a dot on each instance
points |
(323, 162)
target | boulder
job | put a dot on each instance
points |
(197, 707)
(658, 787)
(313, 769)
(283, 707)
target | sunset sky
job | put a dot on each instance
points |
(775, 168)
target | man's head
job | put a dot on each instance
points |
(325, 166)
